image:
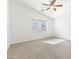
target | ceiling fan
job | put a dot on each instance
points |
(53, 4)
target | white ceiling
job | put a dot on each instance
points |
(37, 4)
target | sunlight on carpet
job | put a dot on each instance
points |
(54, 41)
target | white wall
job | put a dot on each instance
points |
(20, 23)
(62, 26)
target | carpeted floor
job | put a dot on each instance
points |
(37, 49)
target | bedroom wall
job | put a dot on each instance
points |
(62, 26)
(20, 23)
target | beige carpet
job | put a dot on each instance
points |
(40, 50)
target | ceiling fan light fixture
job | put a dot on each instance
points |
(54, 5)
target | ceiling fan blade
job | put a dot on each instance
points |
(58, 5)
(48, 8)
(53, 2)
(45, 4)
